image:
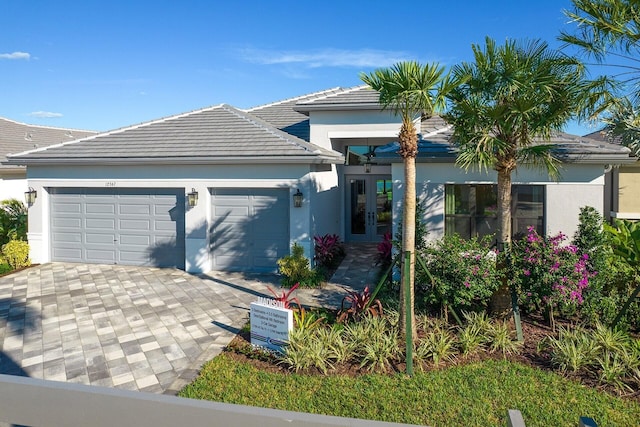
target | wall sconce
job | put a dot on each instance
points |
(192, 198)
(30, 196)
(367, 166)
(297, 199)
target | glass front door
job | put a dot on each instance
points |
(369, 200)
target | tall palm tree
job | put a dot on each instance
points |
(410, 90)
(511, 95)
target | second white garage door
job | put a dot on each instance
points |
(250, 228)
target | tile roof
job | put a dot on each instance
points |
(436, 142)
(360, 97)
(282, 115)
(16, 137)
(212, 135)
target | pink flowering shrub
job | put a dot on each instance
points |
(549, 274)
(462, 274)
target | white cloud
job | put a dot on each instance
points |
(15, 55)
(45, 114)
(363, 58)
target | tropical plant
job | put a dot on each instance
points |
(608, 31)
(572, 350)
(295, 269)
(410, 90)
(625, 241)
(437, 345)
(384, 249)
(286, 296)
(16, 254)
(501, 339)
(609, 286)
(380, 350)
(303, 319)
(13, 221)
(513, 98)
(359, 305)
(328, 249)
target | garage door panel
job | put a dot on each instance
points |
(63, 222)
(68, 237)
(135, 210)
(100, 208)
(61, 207)
(126, 226)
(251, 228)
(139, 224)
(100, 224)
(103, 256)
(139, 240)
(95, 238)
(67, 254)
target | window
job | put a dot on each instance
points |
(472, 210)
(359, 154)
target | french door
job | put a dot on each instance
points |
(369, 202)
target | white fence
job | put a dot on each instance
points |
(38, 403)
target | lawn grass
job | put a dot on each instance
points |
(474, 394)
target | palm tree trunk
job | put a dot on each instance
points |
(501, 299)
(504, 208)
(409, 242)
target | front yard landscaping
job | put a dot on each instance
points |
(469, 368)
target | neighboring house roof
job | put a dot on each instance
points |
(282, 115)
(219, 134)
(16, 137)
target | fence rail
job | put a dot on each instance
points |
(34, 402)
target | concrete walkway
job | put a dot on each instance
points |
(135, 328)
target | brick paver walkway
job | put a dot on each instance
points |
(146, 329)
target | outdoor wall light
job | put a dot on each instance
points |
(192, 198)
(367, 166)
(297, 199)
(30, 196)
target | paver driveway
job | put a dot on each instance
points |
(135, 328)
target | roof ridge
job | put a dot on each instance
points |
(284, 136)
(295, 98)
(343, 91)
(117, 130)
(46, 127)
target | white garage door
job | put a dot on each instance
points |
(138, 226)
(250, 228)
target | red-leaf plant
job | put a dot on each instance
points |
(360, 304)
(285, 297)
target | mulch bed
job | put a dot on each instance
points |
(534, 331)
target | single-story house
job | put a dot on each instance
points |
(227, 189)
(16, 137)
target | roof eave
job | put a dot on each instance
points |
(314, 159)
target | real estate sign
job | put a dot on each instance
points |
(270, 324)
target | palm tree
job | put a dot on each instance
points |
(410, 90)
(608, 31)
(511, 96)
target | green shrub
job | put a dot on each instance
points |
(295, 269)
(16, 253)
(13, 221)
(438, 345)
(609, 288)
(462, 274)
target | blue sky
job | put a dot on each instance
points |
(103, 65)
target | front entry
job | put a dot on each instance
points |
(369, 200)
